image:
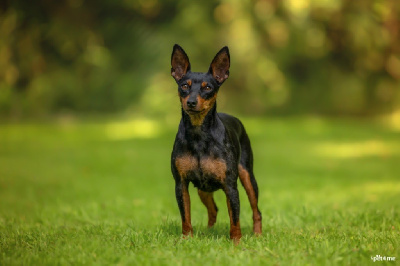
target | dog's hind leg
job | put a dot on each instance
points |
(249, 182)
(208, 201)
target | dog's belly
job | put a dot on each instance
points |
(207, 173)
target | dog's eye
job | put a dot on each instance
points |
(208, 88)
(185, 87)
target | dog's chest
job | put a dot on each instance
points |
(206, 173)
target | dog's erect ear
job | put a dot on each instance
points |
(219, 67)
(180, 64)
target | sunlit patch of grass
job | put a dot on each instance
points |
(378, 187)
(367, 192)
(138, 128)
(357, 149)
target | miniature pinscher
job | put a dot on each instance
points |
(211, 149)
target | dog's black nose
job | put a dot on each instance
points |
(191, 103)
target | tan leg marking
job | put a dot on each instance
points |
(245, 179)
(186, 224)
(184, 164)
(235, 232)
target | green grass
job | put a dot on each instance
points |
(101, 192)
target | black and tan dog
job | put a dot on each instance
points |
(211, 149)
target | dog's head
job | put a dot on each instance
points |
(198, 91)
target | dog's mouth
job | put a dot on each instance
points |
(193, 112)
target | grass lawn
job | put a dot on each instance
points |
(101, 192)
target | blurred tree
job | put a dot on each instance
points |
(292, 56)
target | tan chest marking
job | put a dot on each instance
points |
(209, 166)
(186, 163)
(215, 167)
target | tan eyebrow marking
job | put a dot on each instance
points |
(204, 84)
(189, 82)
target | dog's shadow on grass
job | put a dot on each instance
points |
(219, 231)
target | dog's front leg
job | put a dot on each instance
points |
(183, 199)
(232, 200)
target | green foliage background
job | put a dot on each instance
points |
(292, 56)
